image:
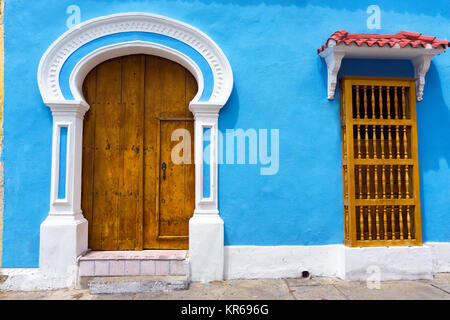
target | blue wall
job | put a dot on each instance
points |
(280, 83)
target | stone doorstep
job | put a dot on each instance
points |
(136, 255)
(134, 263)
(111, 285)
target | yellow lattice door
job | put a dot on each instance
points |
(380, 162)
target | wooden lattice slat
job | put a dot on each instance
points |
(380, 162)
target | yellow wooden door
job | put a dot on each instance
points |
(131, 203)
(169, 202)
(380, 163)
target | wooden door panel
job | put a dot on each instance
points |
(136, 103)
(175, 209)
(87, 186)
(107, 156)
(168, 90)
(166, 87)
(131, 208)
(151, 150)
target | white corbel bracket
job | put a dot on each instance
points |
(333, 58)
(421, 65)
(419, 56)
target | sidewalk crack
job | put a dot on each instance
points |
(436, 286)
(289, 289)
(345, 296)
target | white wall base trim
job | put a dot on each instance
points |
(31, 279)
(352, 264)
(388, 263)
(272, 262)
(252, 262)
(441, 256)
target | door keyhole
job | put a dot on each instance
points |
(164, 167)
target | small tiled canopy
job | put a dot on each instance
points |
(407, 45)
(402, 38)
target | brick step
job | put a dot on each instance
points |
(138, 284)
(134, 263)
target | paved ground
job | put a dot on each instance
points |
(299, 289)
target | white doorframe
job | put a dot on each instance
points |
(64, 233)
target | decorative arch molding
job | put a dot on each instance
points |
(54, 58)
(61, 73)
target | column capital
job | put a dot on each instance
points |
(203, 110)
(75, 108)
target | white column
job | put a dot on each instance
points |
(206, 229)
(64, 233)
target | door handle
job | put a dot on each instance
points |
(164, 167)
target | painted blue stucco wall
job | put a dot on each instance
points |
(280, 83)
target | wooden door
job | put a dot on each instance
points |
(131, 203)
(380, 163)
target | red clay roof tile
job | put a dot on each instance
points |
(402, 38)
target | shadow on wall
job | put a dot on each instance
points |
(228, 118)
(376, 68)
(433, 126)
(433, 122)
(229, 114)
(366, 68)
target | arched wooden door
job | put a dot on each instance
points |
(133, 195)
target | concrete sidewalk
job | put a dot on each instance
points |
(316, 288)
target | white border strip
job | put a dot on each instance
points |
(274, 262)
(354, 264)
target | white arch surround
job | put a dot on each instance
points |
(53, 59)
(64, 232)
